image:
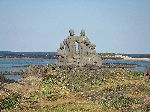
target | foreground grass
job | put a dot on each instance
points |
(80, 89)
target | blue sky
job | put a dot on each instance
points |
(121, 26)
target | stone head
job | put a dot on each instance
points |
(82, 33)
(71, 31)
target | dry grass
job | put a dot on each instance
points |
(79, 89)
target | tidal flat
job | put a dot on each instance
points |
(51, 88)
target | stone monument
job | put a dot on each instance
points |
(77, 50)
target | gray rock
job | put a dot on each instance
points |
(147, 71)
(77, 50)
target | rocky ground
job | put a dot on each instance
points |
(76, 89)
(11, 55)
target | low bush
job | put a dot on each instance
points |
(10, 101)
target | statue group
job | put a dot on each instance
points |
(77, 50)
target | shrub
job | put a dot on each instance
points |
(136, 74)
(10, 101)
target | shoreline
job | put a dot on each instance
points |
(130, 58)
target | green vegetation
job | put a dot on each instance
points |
(10, 101)
(136, 74)
(80, 89)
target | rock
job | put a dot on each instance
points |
(2, 78)
(77, 50)
(147, 71)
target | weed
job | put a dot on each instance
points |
(32, 97)
(136, 74)
(10, 101)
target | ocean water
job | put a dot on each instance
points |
(141, 63)
(139, 55)
(14, 64)
(13, 77)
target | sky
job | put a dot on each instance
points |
(120, 26)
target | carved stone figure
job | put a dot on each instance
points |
(71, 31)
(82, 33)
(77, 50)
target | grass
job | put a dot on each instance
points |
(79, 89)
(73, 107)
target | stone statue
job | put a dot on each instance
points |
(77, 50)
(82, 33)
(71, 31)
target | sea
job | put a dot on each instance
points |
(16, 64)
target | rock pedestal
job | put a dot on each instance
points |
(77, 50)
